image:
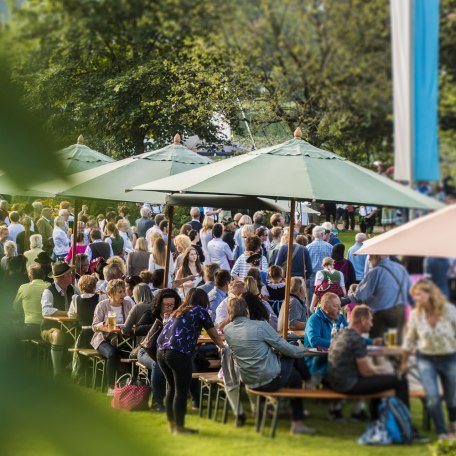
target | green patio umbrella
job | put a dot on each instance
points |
(109, 181)
(78, 157)
(294, 170)
(75, 158)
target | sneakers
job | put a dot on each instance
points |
(158, 407)
(110, 392)
(299, 429)
(361, 416)
(336, 415)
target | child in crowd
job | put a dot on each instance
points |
(275, 285)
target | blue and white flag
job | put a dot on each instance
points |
(415, 46)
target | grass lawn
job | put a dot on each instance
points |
(150, 429)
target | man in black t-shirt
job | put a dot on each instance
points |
(349, 368)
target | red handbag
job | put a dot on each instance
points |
(131, 393)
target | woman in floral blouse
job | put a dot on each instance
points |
(432, 332)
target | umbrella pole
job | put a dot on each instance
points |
(77, 204)
(286, 301)
(168, 245)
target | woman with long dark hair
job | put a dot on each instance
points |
(176, 345)
(343, 265)
(164, 303)
(191, 267)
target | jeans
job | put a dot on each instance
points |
(111, 354)
(389, 318)
(311, 286)
(430, 368)
(157, 379)
(177, 368)
(292, 373)
(377, 384)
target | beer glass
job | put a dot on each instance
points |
(111, 323)
(391, 337)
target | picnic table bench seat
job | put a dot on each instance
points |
(273, 401)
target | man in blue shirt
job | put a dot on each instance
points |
(222, 279)
(358, 261)
(318, 249)
(385, 290)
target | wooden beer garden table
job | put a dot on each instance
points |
(123, 341)
(292, 335)
(68, 325)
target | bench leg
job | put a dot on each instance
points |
(275, 417)
(225, 411)
(210, 389)
(264, 417)
(217, 401)
(201, 406)
(257, 414)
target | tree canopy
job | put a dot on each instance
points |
(123, 71)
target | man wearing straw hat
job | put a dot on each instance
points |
(55, 301)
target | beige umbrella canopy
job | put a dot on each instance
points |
(420, 237)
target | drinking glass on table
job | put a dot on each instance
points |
(111, 321)
(391, 338)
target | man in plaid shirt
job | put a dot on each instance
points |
(318, 249)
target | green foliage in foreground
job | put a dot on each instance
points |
(150, 428)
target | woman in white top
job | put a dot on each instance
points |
(431, 331)
(206, 233)
(218, 251)
(36, 247)
(61, 242)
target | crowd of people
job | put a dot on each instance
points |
(227, 278)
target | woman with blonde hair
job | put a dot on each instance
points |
(244, 220)
(36, 247)
(206, 232)
(158, 257)
(138, 260)
(182, 243)
(431, 331)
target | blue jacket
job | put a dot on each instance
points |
(318, 334)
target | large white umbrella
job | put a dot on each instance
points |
(430, 235)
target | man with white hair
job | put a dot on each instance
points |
(358, 261)
(145, 222)
(318, 249)
(331, 233)
(37, 208)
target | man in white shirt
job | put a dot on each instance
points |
(55, 301)
(218, 251)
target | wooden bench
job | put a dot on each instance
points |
(43, 352)
(274, 400)
(97, 364)
(208, 383)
